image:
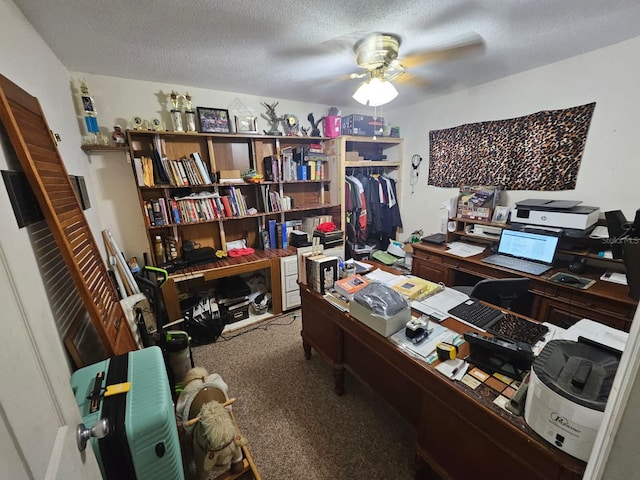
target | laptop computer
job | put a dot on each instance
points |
(526, 252)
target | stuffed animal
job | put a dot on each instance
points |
(209, 436)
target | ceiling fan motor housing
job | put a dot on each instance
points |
(377, 50)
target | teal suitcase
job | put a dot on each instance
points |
(142, 442)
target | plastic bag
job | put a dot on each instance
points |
(381, 300)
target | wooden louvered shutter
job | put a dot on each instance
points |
(36, 150)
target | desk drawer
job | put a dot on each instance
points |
(292, 299)
(289, 265)
(291, 283)
(604, 306)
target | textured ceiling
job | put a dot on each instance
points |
(302, 50)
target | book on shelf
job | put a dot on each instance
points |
(137, 164)
(159, 174)
(279, 235)
(175, 211)
(147, 171)
(350, 285)
(285, 235)
(272, 233)
(204, 173)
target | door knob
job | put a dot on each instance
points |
(83, 434)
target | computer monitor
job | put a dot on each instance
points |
(618, 227)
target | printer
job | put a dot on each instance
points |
(565, 214)
(569, 385)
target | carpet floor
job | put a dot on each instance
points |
(297, 427)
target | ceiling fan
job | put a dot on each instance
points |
(378, 55)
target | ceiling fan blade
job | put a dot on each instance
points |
(414, 81)
(459, 49)
(337, 45)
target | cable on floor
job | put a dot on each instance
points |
(264, 325)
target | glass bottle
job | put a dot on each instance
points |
(159, 250)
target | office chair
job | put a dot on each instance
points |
(508, 293)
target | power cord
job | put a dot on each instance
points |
(264, 325)
(416, 160)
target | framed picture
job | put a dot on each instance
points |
(213, 120)
(23, 201)
(500, 215)
(246, 124)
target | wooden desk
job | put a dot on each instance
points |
(459, 434)
(604, 302)
(260, 259)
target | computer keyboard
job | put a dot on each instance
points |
(476, 313)
(517, 264)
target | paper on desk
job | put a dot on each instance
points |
(453, 369)
(441, 302)
(438, 334)
(461, 249)
(381, 276)
(597, 332)
(555, 333)
(614, 277)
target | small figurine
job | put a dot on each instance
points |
(118, 136)
(272, 117)
(315, 131)
(291, 124)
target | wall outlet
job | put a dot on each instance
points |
(443, 224)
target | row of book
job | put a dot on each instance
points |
(288, 167)
(179, 172)
(195, 208)
(272, 201)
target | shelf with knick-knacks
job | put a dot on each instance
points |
(183, 197)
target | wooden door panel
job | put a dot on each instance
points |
(32, 141)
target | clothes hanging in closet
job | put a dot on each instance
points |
(371, 201)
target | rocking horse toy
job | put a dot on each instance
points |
(208, 432)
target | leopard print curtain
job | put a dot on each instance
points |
(541, 151)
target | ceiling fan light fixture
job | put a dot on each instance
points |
(375, 92)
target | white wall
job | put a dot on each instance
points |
(37, 357)
(610, 166)
(27, 61)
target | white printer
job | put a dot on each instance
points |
(569, 386)
(567, 214)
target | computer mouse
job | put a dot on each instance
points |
(570, 280)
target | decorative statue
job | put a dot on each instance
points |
(272, 117)
(315, 131)
(291, 124)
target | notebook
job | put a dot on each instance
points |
(527, 252)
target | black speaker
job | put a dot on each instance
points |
(631, 259)
(578, 264)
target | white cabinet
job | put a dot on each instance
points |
(289, 282)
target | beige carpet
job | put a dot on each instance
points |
(297, 427)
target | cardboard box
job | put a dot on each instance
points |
(353, 157)
(362, 125)
(384, 326)
(229, 176)
(477, 202)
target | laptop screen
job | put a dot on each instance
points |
(530, 246)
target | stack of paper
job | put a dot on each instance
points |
(461, 249)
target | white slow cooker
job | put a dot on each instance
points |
(568, 390)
